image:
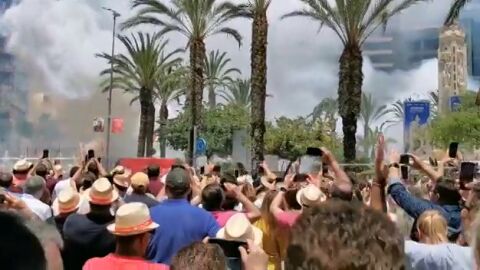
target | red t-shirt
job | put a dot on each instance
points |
(222, 216)
(287, 219)
(154, 186)
(115, 262)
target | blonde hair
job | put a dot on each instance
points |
(432, 228)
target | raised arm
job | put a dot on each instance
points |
(251, 211)
(427, 169)
(377, 193)
(340, 176)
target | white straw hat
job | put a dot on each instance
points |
(22, 165)
(310, 196)
(131, 219)
(102, 192)
(239, 228)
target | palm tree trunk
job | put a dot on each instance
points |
(143, 123)
(195, 97)
(163, 117)
(150, 128)
(197, 58)
(258, 85)
(349, 96)
(212, 97)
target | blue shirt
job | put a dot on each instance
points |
(180, 224)
(439, 257)
(415, 206)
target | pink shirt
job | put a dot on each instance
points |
(222, 216)
(287, 218)
(115, 262)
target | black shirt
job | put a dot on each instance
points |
(86, 237)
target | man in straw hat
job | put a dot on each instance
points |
(139, 184)
(132, 232)
(181, 223)
(20, 172)
(66, 204)
(121, 179)
(86, 236)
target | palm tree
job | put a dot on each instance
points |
(137, 72)
(370, 112)
(326, 111)
(196, 20)
(352, 21)
(217, 75)
(256, 10)
(238, 93)
(454, 11)
(171, 86)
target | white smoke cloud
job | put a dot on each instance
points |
(55, 42)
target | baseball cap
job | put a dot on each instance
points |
(177, 179)
(34, 184)
(139, 179)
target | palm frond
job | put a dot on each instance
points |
(454, 11)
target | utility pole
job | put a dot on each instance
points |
(109, 119)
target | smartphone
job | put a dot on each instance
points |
(91, 154)
(229, 247)
(453, 149)
(236, 173)
(314, 152)
(300, 177)
(260, 170)
(99, 159)
(45, 153)
(217, 169)
(202, 170)
(404, 172)
(467, 172)
(405, 159)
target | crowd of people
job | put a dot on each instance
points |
(223, 218)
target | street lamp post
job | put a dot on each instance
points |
(109, 118)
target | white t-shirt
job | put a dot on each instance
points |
(42, 210)
(61, 185)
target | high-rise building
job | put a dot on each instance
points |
(407, 48)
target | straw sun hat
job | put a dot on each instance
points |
(131, 219)
(310, 196)
(239, 228)
(102, 192)
(67, 201)
(22, 165)
(122, 176)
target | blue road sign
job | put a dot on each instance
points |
(455, 103)
(201, 146)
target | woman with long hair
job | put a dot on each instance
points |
(432, 228)
(274, 240)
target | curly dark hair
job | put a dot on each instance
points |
(199, 256)
(338, 235)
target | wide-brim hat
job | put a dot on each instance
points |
(102, 192)
(67, 201)
(132, 219)
(139, 179)
(310, 196)
(122, 178)
(239, 228)
(22, 165)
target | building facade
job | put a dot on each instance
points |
(407, 48)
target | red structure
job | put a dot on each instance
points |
(140, 164)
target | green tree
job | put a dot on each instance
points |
(352, 21)
(256, 10)
(369, 140)
(462, 126)
(222, 121)
(289, 138)
(326, 112)
(217, 74)
(238, 93)
(171, 86)
(137, 72)
(454, 11)
(196, 20)
(370, 112)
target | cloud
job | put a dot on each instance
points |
(55, 42)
